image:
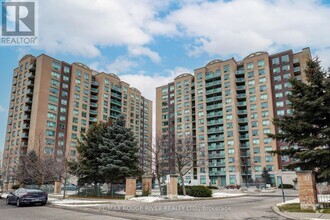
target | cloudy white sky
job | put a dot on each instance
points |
(147, 42)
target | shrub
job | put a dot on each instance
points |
(14, 187)
(212, 187)
(233, 186)
(285, 186)
(196, 191)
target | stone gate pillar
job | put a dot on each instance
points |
(307, 190)
(57, 187)
(130, 187)
(172, 186)
(146, 185)
(10, 185)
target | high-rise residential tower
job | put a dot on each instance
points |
(227, 108)
(53, 101)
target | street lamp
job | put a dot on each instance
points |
(281, 178)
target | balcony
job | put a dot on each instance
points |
(92, 119)
(239, 88)
(213, 75)
(220, 146)
(243, 128)
(241, 96)
(240, 72)
(24, 145)
(241, 103)
(94, 90)
(92, 104)
(13, 90)
(296, 69)
(10, 122)
(214, 130)
(26, 126)
(240, 80)
(31, 75)
(244, 137)
(214, 114)
(12, 98)
(213, 99)
(93, 112)
(28, 100)
(11, 105)
(10, 114)
(94, 97)
(214, 83)
(242, 120)
(216, 139)
(213, 91)
(218, 155)
(14, 82)
(15, 75)
(29, 92)
(27, 118)
(216, 106)
(216, 164)
(244, 146)
(115, 109)
(245, 154)
(116, 95)
(32, 67)
(27, 108)
(94, 83)
(295, 60)
(25, 135)
(217, 173)
(116, 88)
(112, 101)
(30, 84)
(242, 112)
(215, 122)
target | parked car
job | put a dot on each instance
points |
(69, 187)
(27, 196)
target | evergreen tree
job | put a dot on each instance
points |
(119, 152)
(265, 176)
(87, 165)
(309, 124)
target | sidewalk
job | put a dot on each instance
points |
(301, 215)
(298, 215)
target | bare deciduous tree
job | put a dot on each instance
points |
(244, 166)
(159, 160)
(185, 153)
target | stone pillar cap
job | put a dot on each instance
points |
(174, 175)
(130, 177)
(147, 176)
(304, 171)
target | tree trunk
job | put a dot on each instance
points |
(64, 189)
(95, 188)
(160, 187)
(112, 189)
(183, 186)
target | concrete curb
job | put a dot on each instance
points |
(113, 213)
(277, 211)
(196, 199)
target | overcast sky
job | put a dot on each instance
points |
(147, 42)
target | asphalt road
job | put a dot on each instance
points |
(254, 207)
(248, 207)
(9, 212)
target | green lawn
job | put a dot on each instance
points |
(295, 207)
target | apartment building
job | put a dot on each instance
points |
(53, 101)
(227, 108)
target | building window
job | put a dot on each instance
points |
(261, 63)
(275, 61)
(250, 66)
